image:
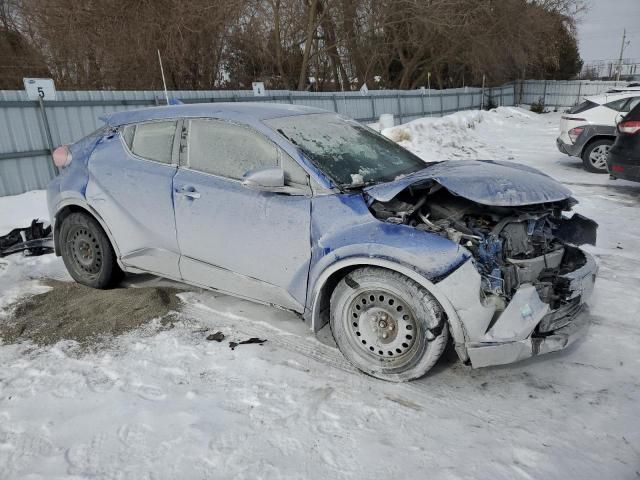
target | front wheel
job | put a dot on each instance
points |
(87, 252)
(594, 157)
(387, 325)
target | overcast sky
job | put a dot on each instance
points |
(600, 29)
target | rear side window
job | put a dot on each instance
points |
(583, 107)
(228, 150)
(153, 141)
(634, 114)
(617, 105)
(631, 104)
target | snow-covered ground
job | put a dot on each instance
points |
(169, 404)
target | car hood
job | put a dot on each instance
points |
(487, 182)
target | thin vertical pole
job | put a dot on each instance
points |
(47, 131)
(166, 95)
(429, 92)
(579, 91)
(373, 105)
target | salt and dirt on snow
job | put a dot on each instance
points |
(166, 403)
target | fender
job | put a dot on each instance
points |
(455, 325)
(82, 203)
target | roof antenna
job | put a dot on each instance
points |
(164, 82)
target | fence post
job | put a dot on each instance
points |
(47, 131)
(399, 107)
(424, 111)
(521, 92)
(335, 103)
(373, 105)
(544, 94)
(579, 90)
(441, 105)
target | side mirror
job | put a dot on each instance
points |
(269, 179)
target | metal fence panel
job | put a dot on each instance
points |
(26, 165)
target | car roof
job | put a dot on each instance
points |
(245, 112)
(612, 97)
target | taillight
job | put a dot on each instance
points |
(631, 127)
(575, 133)
(617, 168)
(62, 156)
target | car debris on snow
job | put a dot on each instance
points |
(34, 240)
(259, 341)
(218, 337)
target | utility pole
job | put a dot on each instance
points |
(624, 36)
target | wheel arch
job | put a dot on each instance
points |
(331, 276)
(595, 138)
(68, 207)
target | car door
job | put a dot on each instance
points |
(131, 187)
(249, 243)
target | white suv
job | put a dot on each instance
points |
(588, 129)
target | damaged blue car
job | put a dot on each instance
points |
(315, 213)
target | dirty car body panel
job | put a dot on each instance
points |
(487, 239)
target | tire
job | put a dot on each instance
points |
(87, 252)
(372, 302)
(594, 157)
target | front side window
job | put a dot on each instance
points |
(228, 150)
(152, 141)
(348, 152)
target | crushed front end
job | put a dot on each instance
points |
(522, 292)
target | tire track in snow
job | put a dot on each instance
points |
(423, 393)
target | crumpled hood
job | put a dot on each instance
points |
(487, 182)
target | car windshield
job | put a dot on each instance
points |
(348, 152)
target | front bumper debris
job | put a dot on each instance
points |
(484, 355)
(527, 327)
(35, 240)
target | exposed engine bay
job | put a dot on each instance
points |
(511, 246)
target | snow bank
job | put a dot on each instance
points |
(456, 136)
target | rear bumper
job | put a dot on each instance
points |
(623, 167)
(527, 327)
(568, 148)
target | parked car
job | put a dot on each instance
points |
(589, 129)
(315, 213)
(624, 157)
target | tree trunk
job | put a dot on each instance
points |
(311, 28)
(278, 41)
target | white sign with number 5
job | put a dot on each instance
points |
(37, 88)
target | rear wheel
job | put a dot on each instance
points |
(87, 252)
(387, 325)
(594, 157)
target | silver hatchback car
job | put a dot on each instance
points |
(315, 213)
